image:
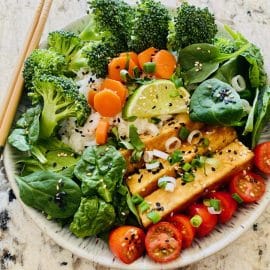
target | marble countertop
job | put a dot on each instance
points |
(22, 244)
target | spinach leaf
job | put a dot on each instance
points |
(26, 133)
(101, 169)
(199, 61)
(217, 103)
(52, 193)
(93, 217)
(253, 56)
(262, 115)
(251, 116)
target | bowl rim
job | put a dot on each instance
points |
(52, 230)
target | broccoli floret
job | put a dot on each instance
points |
(43, 61)
(69, 45)
(150, 26)
(115, 17)
(98, 55)
(61, 100)
(192, 25)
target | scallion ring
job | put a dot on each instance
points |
(194, 134)
(238, 83)
(149, 67)
(172, 144)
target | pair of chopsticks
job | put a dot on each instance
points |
(11, 101)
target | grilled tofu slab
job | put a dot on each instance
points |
(169, 130)
(231, 159)
(144, 182)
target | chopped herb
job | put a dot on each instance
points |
(143, 206)
(187, 167)
(183, 133)
(215, 204)
(154, 216)
(205, 142)
(137, 199)
(188, 177)
(136, 156)
(236, 197)
(154, 120)
(196, 221)
(176, 156)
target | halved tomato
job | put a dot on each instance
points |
(227, 204)
(262, 157)
(163, 242)
(249, 186)
(182, 223)
(127, 243)
(209, 221)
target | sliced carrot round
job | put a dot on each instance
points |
(119, 63)
(102, 131)
(131, 55)
(117, 87)
(146, 56)
(107, 103)
(165, 64)
(90, 97)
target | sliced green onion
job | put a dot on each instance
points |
(136, 72)
(153, 165)
(183, 133)
(236, 197)
(143, 206)
(124, 75)
(188, 177)
(176, 156)
(154, 216)
(187, 167)
(162, 185)
(196, 221)
(206, 202)
(197, 162)
(137, 199)
(149, 67)
(136, 156)
(238, 83)
(205, 142)
(215, 204)
(135, 138)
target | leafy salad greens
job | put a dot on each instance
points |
(86, 190)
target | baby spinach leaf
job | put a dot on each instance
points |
(101, 169)
(26, 133)
(217, 103)
(52, 193)
(93, 217)
(262, 115)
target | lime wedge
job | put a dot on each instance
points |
(157, 98)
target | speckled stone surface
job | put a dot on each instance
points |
(22, 244)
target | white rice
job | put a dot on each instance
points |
(78, 138)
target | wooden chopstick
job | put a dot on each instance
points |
(16, 86)
(23, 56)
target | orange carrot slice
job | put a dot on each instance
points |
(107, 103)
(117, 87)
(119, 63)
(90, 97)
(146, 56)
(102, 131)
(165, 64)
(131, 55)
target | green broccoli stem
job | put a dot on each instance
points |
(38, 154)
(48, 121)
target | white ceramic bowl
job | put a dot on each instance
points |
(97, 251)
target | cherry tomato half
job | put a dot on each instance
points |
(182, 223)
(209, 221)
(127, 243)
(262, 157)
(227, 204)
(249, 186)
(163, 242)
